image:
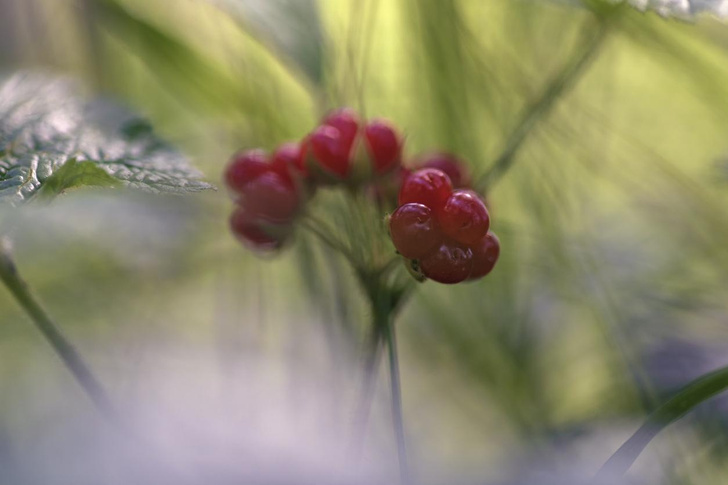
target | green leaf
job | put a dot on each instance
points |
(76, 174)
(45, 124)
(698, 391)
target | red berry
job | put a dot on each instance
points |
(451, 165)
(346, 121)
(271, 197)
(450, 263)
(485, 255)
(250, 233)
(384, 146)
(244, 167)
(331, 149)
(464, 217)
(288, 160)
(428, 186)
(414, 231)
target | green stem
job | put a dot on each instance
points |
(398, 421)
(385, 301)
(541, 107)
(686, 399)
(371, 367)
(65, 350)
(319, 231)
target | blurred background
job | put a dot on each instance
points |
(610, 294)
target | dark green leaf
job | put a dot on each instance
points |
(44, 125)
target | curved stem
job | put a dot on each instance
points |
(686, 399)
(541, 107)
(396, 392)
(64, 349)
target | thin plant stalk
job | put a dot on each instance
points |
(65, 350)
(385, 300)
(396, 396)
(541, 107)
(369, 381)
(695, 393)
(316, 228)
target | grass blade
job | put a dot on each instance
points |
(690, 396)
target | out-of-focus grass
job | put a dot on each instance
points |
(612, 222)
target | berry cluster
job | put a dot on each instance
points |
(444, 232)
(343, 149)
(270, 190)
(450, 166)
(441, 227)
(385, 190)
(269, 193)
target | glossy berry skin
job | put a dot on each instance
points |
(271, 197)
(248, 231)
(384, 146)
(485, 255)
(428, 186)
(244, 167)
(464, 217)
(450, 263)
(451, 165)
(414, 230)
(331, 150)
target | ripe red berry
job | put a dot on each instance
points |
(450, 263)
(414, 231)
(249, 232)
(287, 160)
(331, 149)
(464, 217)
(244, 167)
(346, 121)
(271, 197)
(451, 165)
(428, 186)
(383, 145)
(485, 255)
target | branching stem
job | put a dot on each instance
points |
(316, 228)
(385, 301)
